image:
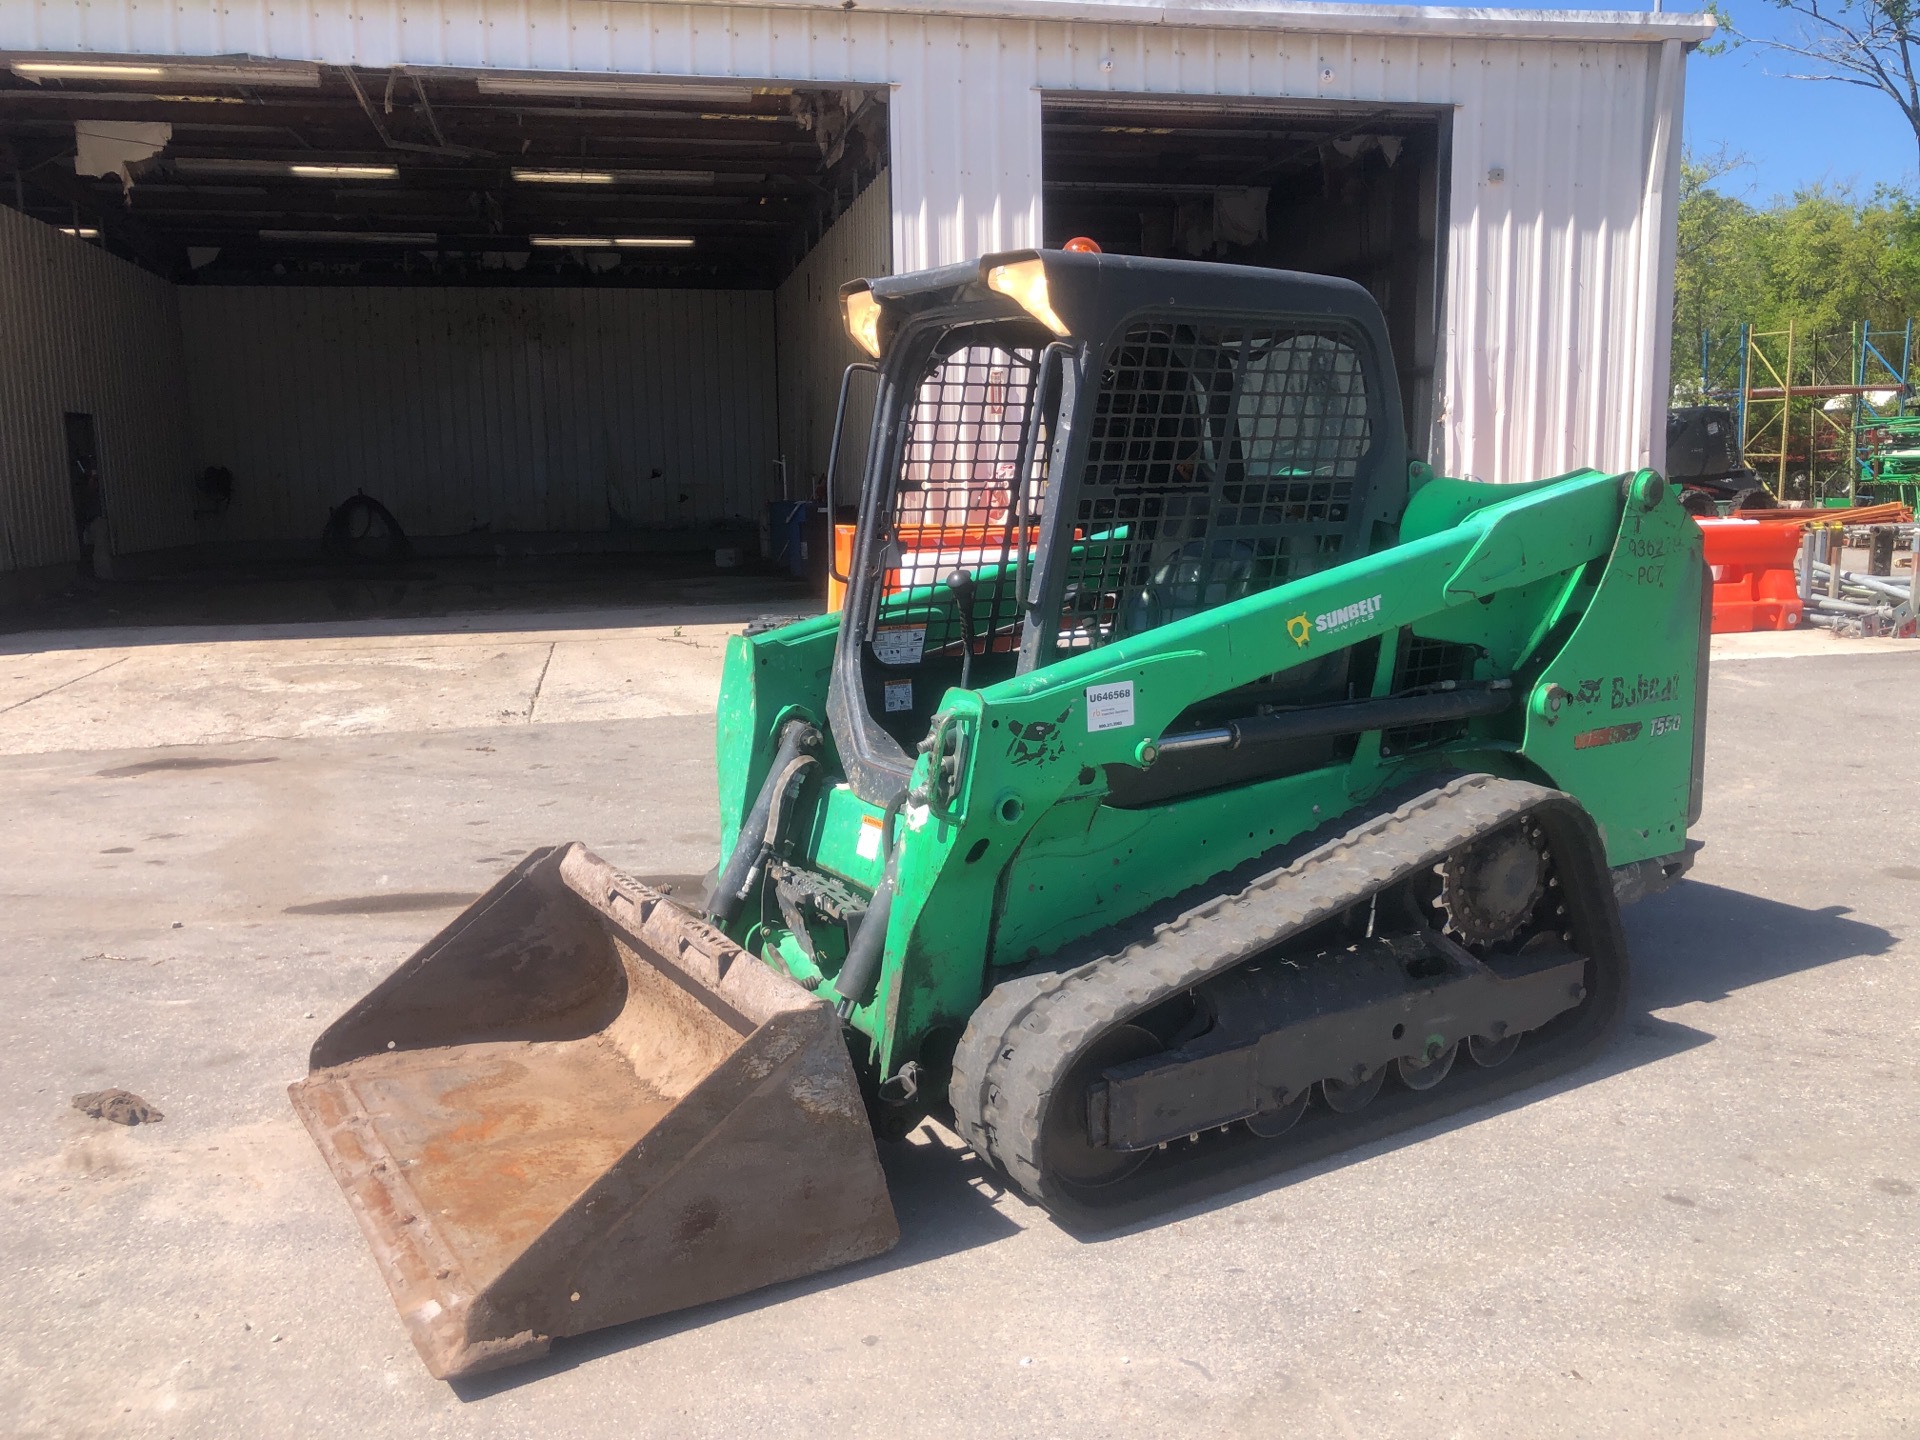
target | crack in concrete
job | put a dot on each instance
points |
(89, 675)
(540, 684)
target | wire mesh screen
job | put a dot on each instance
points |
(1426, 665)
(1222, 461)
(961, 504)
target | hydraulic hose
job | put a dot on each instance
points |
(799, 747)
(862, 964)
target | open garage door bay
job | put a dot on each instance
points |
(504, 306)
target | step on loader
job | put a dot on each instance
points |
(1192, 783)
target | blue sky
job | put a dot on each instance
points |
(1792, 132)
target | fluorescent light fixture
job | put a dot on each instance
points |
(611, 242)
(209, 165)
(345, 172)
(350, 237)
(85, 70)
(296, 75)
(191, 72)
(663, 177)
(527, 176)
(619, 87)
(83, 232)
(563, 177)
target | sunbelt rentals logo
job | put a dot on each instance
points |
(1357, 613)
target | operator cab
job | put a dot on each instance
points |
(1072, 448)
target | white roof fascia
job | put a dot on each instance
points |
(1439, 22)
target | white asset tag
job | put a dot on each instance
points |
(899, 695)
(899, 644)
(1109, 707)
(868, 845)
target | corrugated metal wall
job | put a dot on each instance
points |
(814, 348)
(81, 331)
(1560, 265)
(502, 410)
(1558, 272)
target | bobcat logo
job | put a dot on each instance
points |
(1301, 629)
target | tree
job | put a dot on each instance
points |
(1823, 260)
(1714, 257)
(1869, 43)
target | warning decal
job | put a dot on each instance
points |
(899, 644)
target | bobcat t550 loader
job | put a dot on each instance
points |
(1191, 783)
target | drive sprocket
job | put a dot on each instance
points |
(1490, 887)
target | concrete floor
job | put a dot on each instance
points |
(220, 843)
(137, 688)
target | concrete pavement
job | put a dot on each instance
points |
(1710, 1231)
(199, 685)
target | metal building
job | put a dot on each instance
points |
(571, 265)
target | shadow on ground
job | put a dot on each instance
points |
(405, 599)
(1696, 943)
(1693, 944)
(1699, 943)
(945, 1201)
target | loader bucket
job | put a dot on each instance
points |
(579, 1105)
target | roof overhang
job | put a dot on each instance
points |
(1413, 22)
(1438, 22)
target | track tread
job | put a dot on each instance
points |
(1030, 1028)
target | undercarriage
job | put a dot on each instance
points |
(1441, 952)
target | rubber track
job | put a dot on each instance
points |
(1029, 1030)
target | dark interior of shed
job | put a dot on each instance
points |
(1354, 191)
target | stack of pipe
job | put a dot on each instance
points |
(1850, 603)
(1889, 514)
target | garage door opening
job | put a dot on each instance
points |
(529, 314)
(1353, 191)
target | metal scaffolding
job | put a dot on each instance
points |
(1811, 408)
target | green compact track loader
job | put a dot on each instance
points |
(1190, 784)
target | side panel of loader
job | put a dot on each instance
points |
(1543, 581)
(1617, 708)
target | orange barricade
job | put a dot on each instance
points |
(1754, 587)
(928, 554)
(842, 565)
